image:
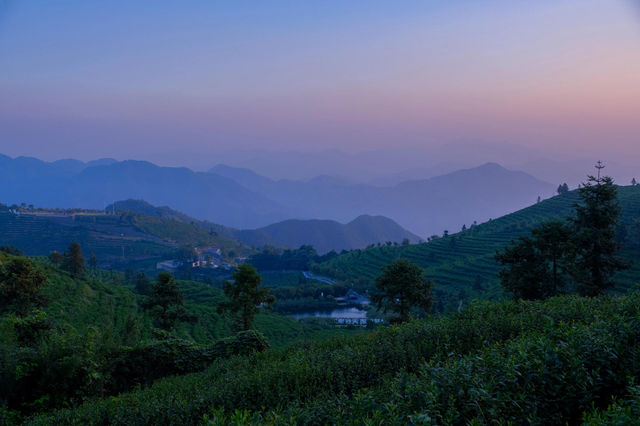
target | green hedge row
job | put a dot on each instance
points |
(549, 378)
(144, 364)
(344, 366)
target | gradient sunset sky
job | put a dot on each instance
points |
(163, 80)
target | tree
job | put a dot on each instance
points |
(534, 267)
(552, 242)
(167, 303)
(56, 257)
(596, 218)
(11, 250)
(20, 285)
(74, 260)
(523, 270)
(401, 287)
(245, 296)
(143, 284)
(563, 189)
(93, 261)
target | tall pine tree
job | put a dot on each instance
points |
(594, 231)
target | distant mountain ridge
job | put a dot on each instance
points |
(242, 199)
(425, 207)
(323, 235)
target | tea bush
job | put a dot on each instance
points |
(535, 358)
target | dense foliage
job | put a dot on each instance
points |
(70, 339)
(542, 362)
(166, 303)
(301, 259)
(584, 248)
(245, 296)
(595, 260)
(21, 286)
(402, 287)
(535, 267)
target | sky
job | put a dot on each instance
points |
(184, 82)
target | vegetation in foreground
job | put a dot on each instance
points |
(67, 337)
(549, 362)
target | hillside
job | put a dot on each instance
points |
(107, 301)
(115, 243)
(463, 266)
(118, 241)
(323, 235)
(92, 334)
(327, 235)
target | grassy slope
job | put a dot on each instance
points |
(143, 239)
(455, 262)
(105, 236)
(84, 304)
(182, 233)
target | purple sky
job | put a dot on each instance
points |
(178, 84)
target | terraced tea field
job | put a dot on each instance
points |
(463, 266)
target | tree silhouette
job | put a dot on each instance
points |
(400, 287)
(166, 303)
(534, 267)
(93, 261)
(74, 260)
(245, 296)
(596, 218)
(563, 189)
(142, 284)
(20, 286)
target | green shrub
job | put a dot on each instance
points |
(146, 363)
(538, 378)
(481, 353)
(624, 411)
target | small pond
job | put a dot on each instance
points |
(353, 312)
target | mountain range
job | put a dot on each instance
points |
(425, 206)
(242, 199)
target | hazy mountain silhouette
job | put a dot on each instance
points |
(323, 235)
(424, 206)
(203, 195)
(240, 198)
(327, 235)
